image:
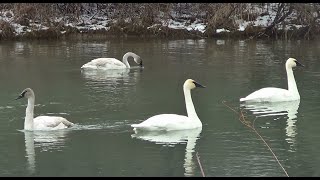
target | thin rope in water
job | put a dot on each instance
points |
(202, 172)
(247, 123)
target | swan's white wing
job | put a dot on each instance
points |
(50, 122)
(104, 63)
(267, 94)
(163, 122)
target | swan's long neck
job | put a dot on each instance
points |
(292, 86)
(189, 106)
(125, 59)
(28, 121)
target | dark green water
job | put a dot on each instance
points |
(103, 106)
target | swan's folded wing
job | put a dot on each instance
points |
(104, 63)
(51, 121)
(267, 93)
(108, 63)
(163, 122)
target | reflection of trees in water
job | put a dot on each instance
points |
(171, 138)
(275, 109)
(45, 140)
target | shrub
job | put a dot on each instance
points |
(7, 31)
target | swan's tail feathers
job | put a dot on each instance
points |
(243, 99)
(139, 127)
(67, 123)
(249, 98)
(136, 126)
(86, 66)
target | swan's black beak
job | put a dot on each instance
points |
(19, 97)
(198, 85)
(299, 64)
(141, 65)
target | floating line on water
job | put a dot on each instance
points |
(247, 123)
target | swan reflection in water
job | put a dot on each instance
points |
(100, 75)
(287, 108)
(111, 74)
(171, 138)
(101, 80)
(45, 140)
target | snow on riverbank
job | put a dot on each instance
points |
(101, 22)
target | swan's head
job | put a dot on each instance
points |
(138, 60)
(28, 92)
(291, 62)
(191, 84)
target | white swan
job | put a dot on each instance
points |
(272, 94)
(40, 122)
(112, 63)
(168, 122)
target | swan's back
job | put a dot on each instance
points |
(104, 63)
(165, 122)
(51, 122)
(268, 94)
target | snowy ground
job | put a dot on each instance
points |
(101, 22)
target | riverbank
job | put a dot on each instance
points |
(159, 20)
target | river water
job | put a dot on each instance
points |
(104, 105)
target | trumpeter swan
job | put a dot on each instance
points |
(112, 63)
(40, 122)
(168, 122)
(272, 94)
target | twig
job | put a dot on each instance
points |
(243, 121)
(94, 15)
(202, 172)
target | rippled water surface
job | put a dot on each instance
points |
(104, 105)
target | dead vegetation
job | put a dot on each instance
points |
(150, 19)
(7, 31)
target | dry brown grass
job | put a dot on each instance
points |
(7, 31)
(135, 18)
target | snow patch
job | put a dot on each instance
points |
(222, 30)
(99, 21)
